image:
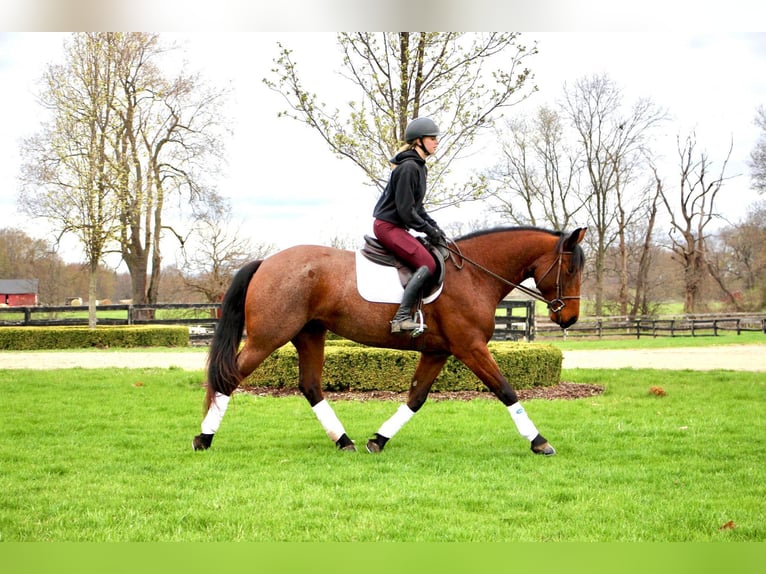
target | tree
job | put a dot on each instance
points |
(738, 260)
(537, 181)
(401, 76)
(220, 250)
(614, 153)
(691, 212)
(758, 155)
(124, 147)
(641, 293)
(24, 257)
(67, 175)
(169, 140)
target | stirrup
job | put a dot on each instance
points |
(421, 328)
(415, 325)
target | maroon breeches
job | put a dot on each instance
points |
(403, 245)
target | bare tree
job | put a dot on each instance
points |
(614, 146)
(691, 211)
(538, 178)
(401, 76)
(758, 155)
(218, 250)
(737, 260)
(125, 146)
(23, 257)
(168, 142)
(641, 292)
(67, 176)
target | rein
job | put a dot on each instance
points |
(555, 305)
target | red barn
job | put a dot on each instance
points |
(18, 292)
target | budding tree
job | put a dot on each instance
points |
(462, 81)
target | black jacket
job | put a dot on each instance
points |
(402, 200)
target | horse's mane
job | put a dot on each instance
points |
(503, 228)
(578, 256)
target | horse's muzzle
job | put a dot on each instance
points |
(568, 323)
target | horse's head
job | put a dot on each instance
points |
(558, 275)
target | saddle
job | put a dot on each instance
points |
(377, 253)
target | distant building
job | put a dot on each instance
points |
(18, 292)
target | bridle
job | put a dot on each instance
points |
(554, 305)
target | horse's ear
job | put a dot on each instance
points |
(574, 238)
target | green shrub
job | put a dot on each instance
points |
(36, 338)
(350, 367)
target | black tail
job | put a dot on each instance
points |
(223, 376)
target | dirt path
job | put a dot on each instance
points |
(730, 357)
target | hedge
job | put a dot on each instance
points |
(36, 338)
(356, 368)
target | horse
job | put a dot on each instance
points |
(299, 294)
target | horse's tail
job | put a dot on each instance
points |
(223, 375)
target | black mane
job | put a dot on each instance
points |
(578, 256)
(502, 228)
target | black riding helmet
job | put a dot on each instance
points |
(419, 128)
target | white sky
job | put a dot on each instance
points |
(285, 185)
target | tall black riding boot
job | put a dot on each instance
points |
(403, 320)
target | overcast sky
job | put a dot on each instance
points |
(287, 188)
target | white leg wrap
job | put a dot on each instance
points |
(215, 413)
(526, 427)
(329, 420)
(393, 425)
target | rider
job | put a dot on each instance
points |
(400, 208)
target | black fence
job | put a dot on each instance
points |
(129, 314)
(686, 326)
(514, 321)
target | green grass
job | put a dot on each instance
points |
(726, 338)
(104, 455)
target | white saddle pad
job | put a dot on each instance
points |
(380, 284)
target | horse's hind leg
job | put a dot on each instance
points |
(247, 360)
(310, 346)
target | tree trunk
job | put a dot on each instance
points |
(92, 293)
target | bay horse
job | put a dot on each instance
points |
(299, 294)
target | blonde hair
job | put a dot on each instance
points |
(404, 147)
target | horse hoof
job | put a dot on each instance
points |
(345, 443)
(373, 447)
(376, 444)
(202, 441)
(544, 449)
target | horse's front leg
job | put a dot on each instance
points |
(426, 372)
(483, 365)
(310, 346)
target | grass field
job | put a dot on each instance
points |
(104, 455)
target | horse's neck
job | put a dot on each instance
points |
(509, 254)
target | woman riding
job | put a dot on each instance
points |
(400, 208)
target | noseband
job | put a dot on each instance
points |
(557, 304)
(554, 305)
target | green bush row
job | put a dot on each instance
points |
(36, 338)
(356, 368)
